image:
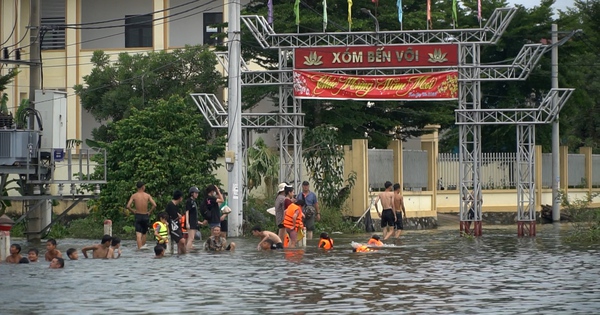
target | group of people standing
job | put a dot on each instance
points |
(392, 204)
(294, 212)
(182, 229)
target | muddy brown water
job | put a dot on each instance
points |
(427, 272)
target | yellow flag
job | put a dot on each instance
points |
(350, 12)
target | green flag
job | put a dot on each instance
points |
(454, 14)
(324, 15)
(297, 11)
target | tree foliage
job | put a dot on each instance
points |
(263, 166)
(113, 89)
(324, 161)
(161, 145)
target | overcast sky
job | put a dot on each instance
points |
(558, 4)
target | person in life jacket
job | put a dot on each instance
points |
(325, 242)
(293, 221)
(375, 241)
(361, 249)
(161, 230)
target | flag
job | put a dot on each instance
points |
(454, 14)
(297, 11)
(270, 15)
(428, 13)
(399, 4)
(350, 12)
(324, 15)
(479, 10)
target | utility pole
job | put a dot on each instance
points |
(555, 134)
(234, 127)
(34, 223)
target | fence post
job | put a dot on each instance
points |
(429, 143)
(359, 157)
(108, 227)
(587, 152)
(537, 180)
(564, 169)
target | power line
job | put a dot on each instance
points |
(14, 25)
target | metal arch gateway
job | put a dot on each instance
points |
(469, 115)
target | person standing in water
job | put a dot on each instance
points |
(388, 215)
(400, 209)
(140, 201)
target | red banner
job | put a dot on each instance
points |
(393, 56)
(422, 86)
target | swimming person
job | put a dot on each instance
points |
(267, 235)
(159, 252)
(51, 251)
(33, 255)
(325, 242)
(15, 254)
(57, 263)
(115, 248)
(72, 254)
(99, 250)
(375, 240)
(216, 242)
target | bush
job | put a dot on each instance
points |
(586, 221)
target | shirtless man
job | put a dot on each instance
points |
(388, 215)
(267, 235)
(399, 205)
(15, 254)
(51, 251)
(99, 250)
(142, 216)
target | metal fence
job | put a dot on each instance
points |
(498, 170)
(414, 170)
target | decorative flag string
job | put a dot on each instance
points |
(429, 25)
(324, 15)
(479, 11)
(270, 15)
(399, 4)
(350, 15)
(454, 13)
(297, 11)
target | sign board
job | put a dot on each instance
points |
(59, 155)
(422, 86)
(392, 56)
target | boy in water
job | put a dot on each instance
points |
(140, 201)
(57, 263)
(15, 254)
(115, 248)
(159, 252)
(267, 235)
(72, 254)
(100, 250)
(375, 241)
(161, 230)
(33, 255)
(216, 242)
(266, 245)
(325, 242)
(51, 251)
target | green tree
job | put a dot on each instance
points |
(112, 90)
(324, 161)
(263, 166)
(161, 145)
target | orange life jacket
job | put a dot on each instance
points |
(375, 242)
(182, 222)
(326, 243)
(362, 249)
(288, 219)
(286, 241)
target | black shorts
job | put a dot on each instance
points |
(177, 235)
(277, 246)
(224, 226)
(281, 226)
(142, 222)
(399, 225)
(387, 218)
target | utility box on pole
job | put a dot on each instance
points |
(52, 106)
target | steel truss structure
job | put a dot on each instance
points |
(470, 116)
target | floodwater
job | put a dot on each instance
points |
(428, 272)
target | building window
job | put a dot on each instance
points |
(138, 31)
(52, 22)
(211, 20)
